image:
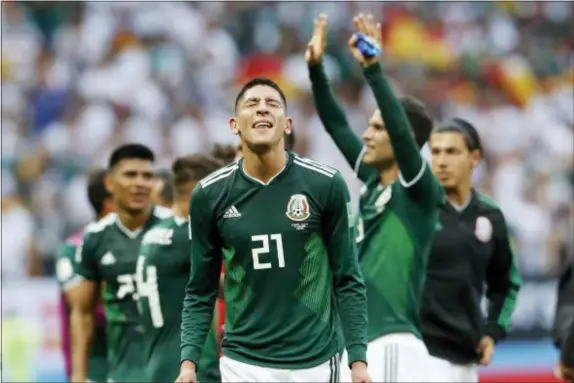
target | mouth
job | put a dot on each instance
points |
(140, 196)
(261, 125)
(442, 176)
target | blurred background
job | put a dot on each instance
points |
(79, 79)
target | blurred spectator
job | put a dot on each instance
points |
(79, 79)
(19, 257)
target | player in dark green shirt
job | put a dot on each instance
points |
(398, 208)
(162, 274)
(107, 257)
(281, 225)
(102, 204)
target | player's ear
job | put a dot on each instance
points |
(233, 125)
(288, 125)
(109, 182)
(475, 155)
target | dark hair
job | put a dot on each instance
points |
(290, 141)
(260, 81)
(224, 153)
(193, 168)
(97, 192)
(419, 119)
(167, 190)
(468, 131)
(130, 151)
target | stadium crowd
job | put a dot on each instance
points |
(79, 79)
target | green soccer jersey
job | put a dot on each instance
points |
(396, 224)
(67, 278)
(162, 274)
(290, 262)
(109, 255)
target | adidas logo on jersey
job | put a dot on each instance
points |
(232, 213)
(108, 259)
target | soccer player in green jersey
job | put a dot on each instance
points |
(162, 274)
(107, 259)
(281, 225)
(398, 208)
(102, 203)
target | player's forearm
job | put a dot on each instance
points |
(405, 148)
(332, 115)
(81, 335)
(197, 317)
(352, 301)
(503, 284)
(351, 296)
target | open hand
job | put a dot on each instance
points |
(318, 42)
(368, 27)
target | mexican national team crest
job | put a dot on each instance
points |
(298, 208)
(483, 229)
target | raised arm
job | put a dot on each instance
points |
(329, 110)
(82, 294)
(203, 285)
(349, 286)
(415, 174)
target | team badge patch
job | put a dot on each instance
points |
(298, 208)
(483, 229)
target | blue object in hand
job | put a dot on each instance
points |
(368, 47)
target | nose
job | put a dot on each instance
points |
(262, 109)
(440, 160)
(142, 181)
(367, 134)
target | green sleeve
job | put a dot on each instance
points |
(502, 282)
(335, 122)
(414, 175)
(349, 285)
(67, 278)
(201, 290)
(85, 259)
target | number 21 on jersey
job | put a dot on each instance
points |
(259, 253)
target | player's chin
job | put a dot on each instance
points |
(369, 158)
(139, 204)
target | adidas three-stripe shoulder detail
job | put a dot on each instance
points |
(219, 175)
(315, 166)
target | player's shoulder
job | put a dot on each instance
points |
(314, 169)
(161, 213)
(158, 232)
(488, 208)
(101, 225)
(218, 179)
(487, 204)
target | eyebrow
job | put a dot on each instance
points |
(267, 99)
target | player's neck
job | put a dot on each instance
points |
(389, 174)
(459, 196)
(180, 209)
(264, 166)
(133, 222)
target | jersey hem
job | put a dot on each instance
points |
(283, 366)
(395, 330)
